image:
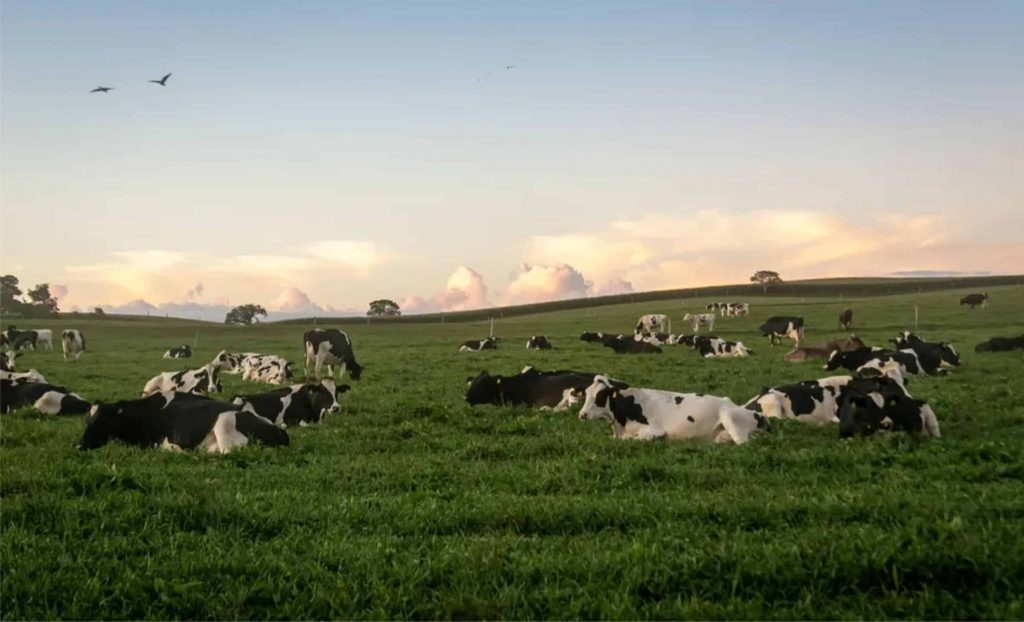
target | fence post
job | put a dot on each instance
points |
(915, 317)
(492, 326)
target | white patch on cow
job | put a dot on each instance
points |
(167, 445)
(49, 403)
(225, 434)
(929, 422)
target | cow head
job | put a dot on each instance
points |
(224, 360)
(324, 397)
(835, 359)
(484, 389)
(597, 400)
(101, 425)
(213, 378)
(949, 355)
(860, 415)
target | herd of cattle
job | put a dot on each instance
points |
(175, 412)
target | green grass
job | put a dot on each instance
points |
(409, 504)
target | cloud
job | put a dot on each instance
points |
(613, 286)
(58, 291)
(195, 292)
(936, 273)
(465, 290)
(540, 283)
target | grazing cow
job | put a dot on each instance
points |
(818, 401)
(823, 349)
(875, 358)
(653, 323)
(933, 356)
(736, 309)
(299, 404)
(846, 319)
(715, 347)
(32, 339)
(779, 326)
(178, 421)
(538, 342)
(268, 368)
(700, 319)
(648, 414)
(73, 343)
(554, 390)
(475, 345)
(712, 306)
(7, 361)
(973, 300)
(861, 414)
(333, 347)
(25, 376)
(46, 398)
(1001, 344)
(205, 379)
(180, 352)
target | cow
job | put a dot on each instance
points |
(653, 323)
(715, 347)
(299, 404)
(46, 398)
(818, 401)
(846, 319)
(7, 360)
(875, 358)
(624, 345)
(973, 300)
(232, 362)
(31, 339)
(333, 347)
(547, 390)
(648, 414)
(538, 342)
(824, 349)
(1001, 344)
(25, 376)
(712, 306)
(684, 340)
(73, 343)
(933, 356)
(179, 352)
(861, 414)
(476, 345)
(736, 309)
(268, 368)
(655, 339)
(591, 337)
(700, 319)
(779, 326)
(178, 421)
(203, 380)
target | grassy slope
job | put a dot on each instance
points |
(410, 504)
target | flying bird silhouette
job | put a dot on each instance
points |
(102, 89)
(162, 81)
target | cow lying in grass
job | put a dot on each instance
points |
(46, 398)
(824, 349)
(865, 412)
(476, 345)
(818, 401)
(1001, 344)
(648, 414)
(299, 404)
(178, 421)
(555, 390)
(202, 380)
(716, 347)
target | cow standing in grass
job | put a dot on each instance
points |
(72, 342)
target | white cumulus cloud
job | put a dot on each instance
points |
(541, 283)
(465, 290)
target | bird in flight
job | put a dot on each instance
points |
(162, 81)
(102, 89)
(510, 66)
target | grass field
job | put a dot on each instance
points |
(410, 504)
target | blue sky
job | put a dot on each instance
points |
(315, 154)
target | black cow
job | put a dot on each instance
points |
(846, 319)
(624, 345)
(999, 344)
(538, 342)
(973, 300)
(300, 404)
(933, 356)
(557, 390)
(179, 352)
(333, 347)
(856, 359)
(46, 398)
(475, 345)
(591, 337)
(779, 326)
(178, 421)
(863, 414)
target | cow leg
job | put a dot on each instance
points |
(648, 433)
(227, 434)
(930, 424)
(737, 424)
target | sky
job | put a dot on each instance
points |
(314, 156)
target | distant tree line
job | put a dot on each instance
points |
(37, 303)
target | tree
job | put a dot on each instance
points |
(245, 315)
(9, 290)
(98, 311)
(40, 296)
(766, 278)
(384, 308)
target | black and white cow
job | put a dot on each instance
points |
(332, 347)
(700, 319)
(973, 300)
(655, 339)
(232, 362)
(591, 337)
(779, 326)
(625, 345)
(648, 414)
(716, 347)
(268, 368)
(846, 319)
(863, 414)
(555, 390)
(476, 345)
(73, 343)
(538, 342)
(818, 401)
(179, 352)
(933, 356)
(299, 404)
(203, 380)
(1001, 344)
(178, 421)
(875, 358)
(653, 323)
(25, 376)
(7, 360)
(31, 339)
(736, 309)
(684, 340)
(46, 398)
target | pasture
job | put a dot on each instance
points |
(410, 504)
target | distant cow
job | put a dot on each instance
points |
(736, 309)
(538, 342)
(779, 326)
(555, 390)
(973, 300)
(625, 345)
(46, 398)
(203, 380)
(700, 319)
(178, 421)
(268, 368)
(179, 352)
(299, 404)
(591, 337)
(25, 376)
(715, 347)
(653, 323)
(655, 339)
(648, 414)
(330, 346)
(846, 319)
(73, 343)
(823, 349)
(1001, 344)
(475, 345)
(31, 339)
(875, 358)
